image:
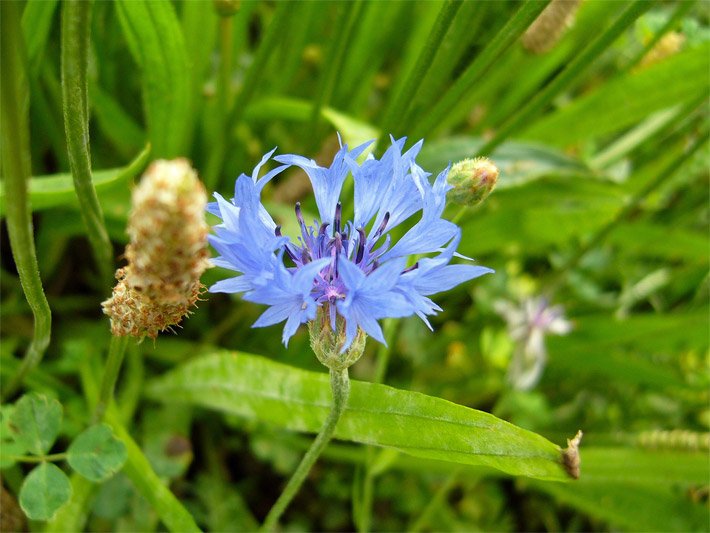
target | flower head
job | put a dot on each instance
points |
(351, 270)
(167, 253)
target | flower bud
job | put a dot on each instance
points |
(167, 253)
(327, 343)
(473, 180)
(547, 29)
(226, 8)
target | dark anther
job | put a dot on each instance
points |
(413, 267)
(299, 214)
(323, 227)
(338, 214)
(360, 245)
(382, 227)
(277, 231)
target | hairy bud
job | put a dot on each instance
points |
(327, 343)
(167, 253)
(473, 180)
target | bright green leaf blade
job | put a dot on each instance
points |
(518, 162)
(36, 421)
(628, 99)
(58, 189)
(44, 491)
(164, 65)
(96, 454)
(36, 26)
(420, 425)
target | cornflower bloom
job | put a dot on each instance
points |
(352, 271)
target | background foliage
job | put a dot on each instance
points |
(601, 206)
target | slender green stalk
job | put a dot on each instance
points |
(139, 470)
(116, 352)
(340, 385)
(251, 81)
(333, 66)
(15, 148)
(399, 103)
(508, 35)
(662, 177)
(37, 458)
(76, 27)
(568, 75)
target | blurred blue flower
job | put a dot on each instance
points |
(349, 269)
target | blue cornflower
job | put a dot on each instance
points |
(350, 269)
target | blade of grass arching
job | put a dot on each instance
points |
(627, 99)
(680, 11)
(15, 149)
(332, 67)
(76, 25)
(399, 102)
(464, 28)
(155, 40)
(569, 74)
(282, 17)
(36, 25)
(507, 35)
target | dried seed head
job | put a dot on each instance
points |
(473, 180)
(670, 44)
(167, 253)
(547, 29)
(570, 455)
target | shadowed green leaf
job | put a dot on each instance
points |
(419, 425)
(35, 421)
(44, 491)
(96, 454)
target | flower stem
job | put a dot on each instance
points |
(76, 24)
(116, 351)
(340, 384)
(15, 149)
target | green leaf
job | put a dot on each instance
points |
(35, 422)
(96, 454)
(44, 491)
(156, 42)
(58, 189)
(423, 426)
(36, 25)
(518, 162)
(628, 99)
(8, 445)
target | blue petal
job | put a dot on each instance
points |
(232, 285)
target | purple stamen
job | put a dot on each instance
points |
(383, 225)
(336, 220)
(360, 245)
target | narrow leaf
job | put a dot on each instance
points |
(44, 491)
(58, 189)
(35, 422)
(419, 425)
(96, 454)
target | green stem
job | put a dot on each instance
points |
(568, 75)
(503, 40)
(139, 470)
(400, 103)
(116, 351)
(340, 385)
(76, 27)
(15, 149)
(37, 458)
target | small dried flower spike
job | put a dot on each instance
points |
(547, 29)
(167, 253)
(472, 180)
